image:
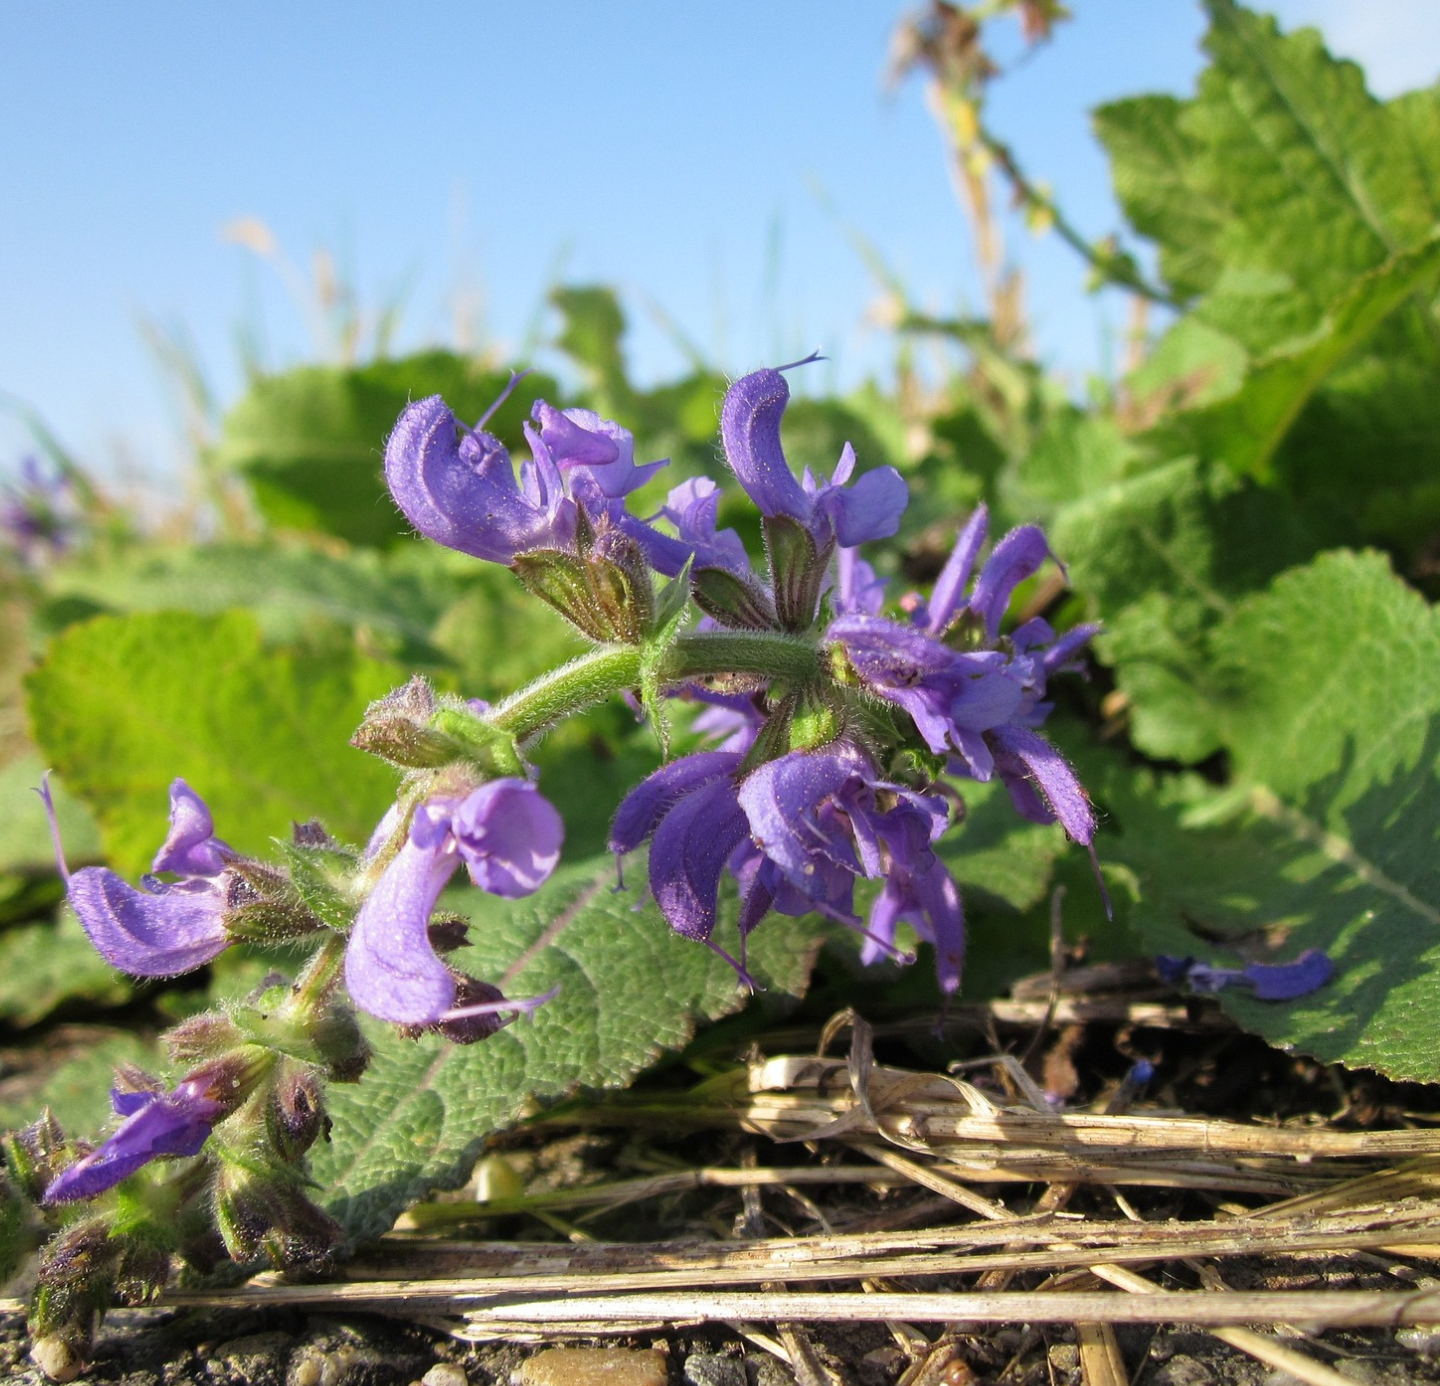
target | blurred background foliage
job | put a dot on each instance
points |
(1252, 509)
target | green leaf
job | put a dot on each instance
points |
(1328, 703)
(630, 990)
(591, 337)
(42, 965)
(1246, 429)
(1329, 676)
(122, 705)
(394, 599)
(1150, 158)
(1277, 880)
(1162, 559)
(311, 441)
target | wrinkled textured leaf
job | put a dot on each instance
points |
(631, 989)
(311, 441)
(1162, 558)
(1330, 707)
(122, 705)
(1246, 429)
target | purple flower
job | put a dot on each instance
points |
(596, 454)
(509, 837)
(1042, 785)
(690, 810)
(175, 1124)
(165, 929)
(823, 818)
(857, 591)
(832, 511)
(951, 697)
(692, 507)
(458, 488)
(1019, 555)
(1268, 981)
(192, 849)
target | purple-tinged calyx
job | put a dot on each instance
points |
(1267, 981)
(831, 511)
(509, 837)
(168, 928)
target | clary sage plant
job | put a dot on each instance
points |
(831, 720)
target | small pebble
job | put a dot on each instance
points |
(1065, 1357)
(445, 1374)
(567, 1366)
(316, 1366)
(714, 1369)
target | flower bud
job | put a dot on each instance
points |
(397, 728)
(201, 1037)
(295, 1114)
(338, 1040)
(264, 1212)
(262, 905)
(36, 1154)
(73, 1286)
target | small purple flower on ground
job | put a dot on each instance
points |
(1309, 972)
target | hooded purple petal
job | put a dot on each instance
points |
(463, 494)
(162, 935)
(174, 1124)
(781, 799)
(1016, 557)
(689, 853)
(750, 433)
(1027, 757)
(509, 835)
(391, 969)
(581, 439)
(928, 900)
(642, 809)
(191, 849)
(949, 591)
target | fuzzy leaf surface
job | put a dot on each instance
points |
(121, 705)
(631, 989)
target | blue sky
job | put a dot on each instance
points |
(457, 153)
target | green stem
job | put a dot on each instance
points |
(313, 986)
(612, 669)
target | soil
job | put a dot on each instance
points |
(1208, 1069)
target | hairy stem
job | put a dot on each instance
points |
(612, 669)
